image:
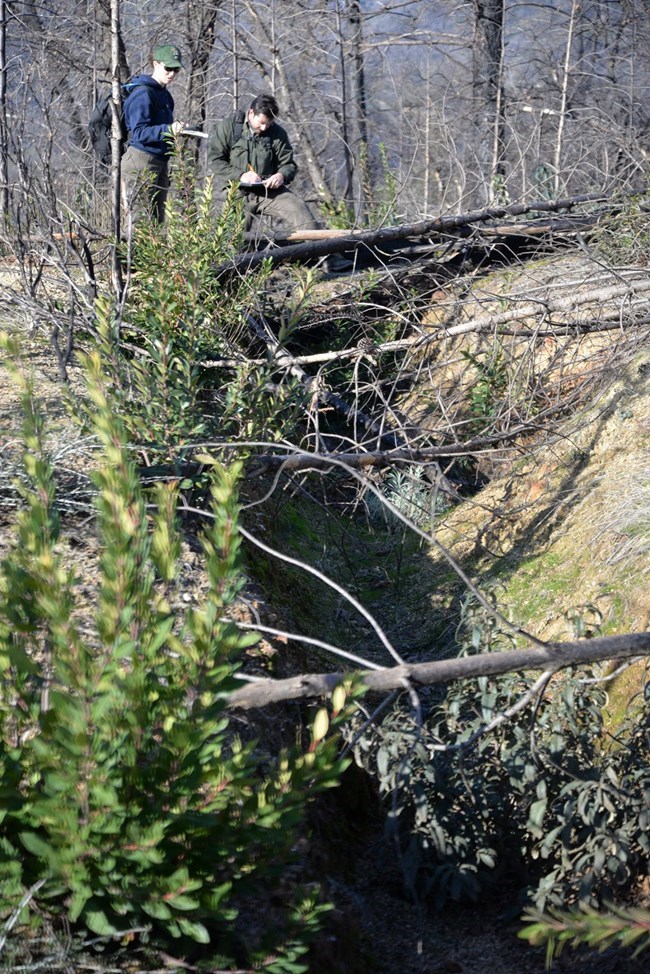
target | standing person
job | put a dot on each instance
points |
(149, 118)
(260, 159)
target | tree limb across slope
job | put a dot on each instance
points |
(338, 241)
(552, 657)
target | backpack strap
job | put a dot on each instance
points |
(125, 91)
(238, 120)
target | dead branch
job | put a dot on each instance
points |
(605, 321)
(632, 296)
(354, 239)
(318, 391)
(552, 657)
(377, 459)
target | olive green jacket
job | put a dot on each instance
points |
(266, 154)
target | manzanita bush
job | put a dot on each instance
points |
(545, 800)
(127, 802)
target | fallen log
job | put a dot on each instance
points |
(550, 658)
(354, 240)
(528, 229)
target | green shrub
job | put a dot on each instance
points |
(543, 799)
(490, 389)
(180, 313)
(412, 493)
(128, 803)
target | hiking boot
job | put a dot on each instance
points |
(337, 264)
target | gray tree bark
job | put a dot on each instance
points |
(4, 131)
(488, 93)
(202, 19)
(552, 657)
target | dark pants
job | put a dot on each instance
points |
(145, 185)
(276, 204)
(280, 204)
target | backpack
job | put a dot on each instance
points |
(100, 124)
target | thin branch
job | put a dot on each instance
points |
(13, 919)
(328, 581)
(308, 640)
(605, 321)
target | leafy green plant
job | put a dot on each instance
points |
(412, 494)
(500, 192)
(177, 353)
(544, 179)
(129, 804)
(381, 195)
(585, 620)
(487, 393)
(543, 797)
(339, 215)
(627, 928)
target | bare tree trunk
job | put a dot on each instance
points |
(557, 155)
(112, 58)
(360, 106)
(274, 46)
(348, 193)
(235, 54)
(4, 131)
(487, 82)
(359, 75)
(201, 33)
(427, 144)
(116, 151)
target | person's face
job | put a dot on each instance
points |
(259, 123)
(163, 75)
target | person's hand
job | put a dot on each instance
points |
(274, 181)
(176, 128)
(249, 178)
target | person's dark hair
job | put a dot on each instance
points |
(265, 105)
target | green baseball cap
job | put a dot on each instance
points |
(169, 55)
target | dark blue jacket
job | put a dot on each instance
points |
(148, 113)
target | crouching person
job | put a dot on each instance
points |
(259, 159)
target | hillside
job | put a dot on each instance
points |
(559, 532)
(562, 523)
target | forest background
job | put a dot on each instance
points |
(463, 104)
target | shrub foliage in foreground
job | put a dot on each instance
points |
(546, 799)
(127, 802)
(629, 929)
